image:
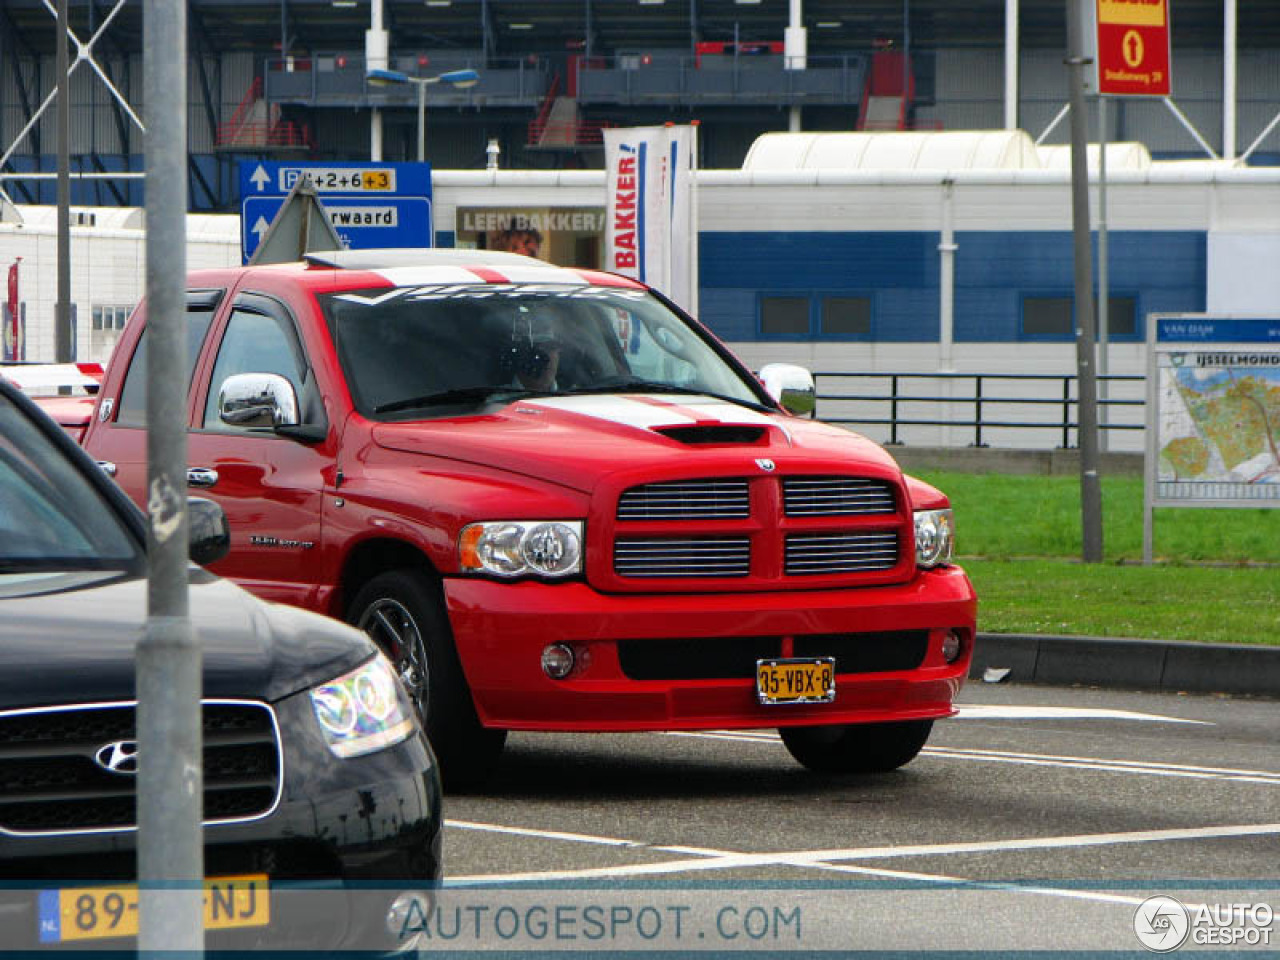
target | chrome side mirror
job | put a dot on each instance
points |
(210, 537)
(791, 386)
(266, 400)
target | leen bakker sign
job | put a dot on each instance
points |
(1132, 54)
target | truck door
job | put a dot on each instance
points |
(269, 485)
(118, 441)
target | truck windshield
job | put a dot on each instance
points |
(428, 350)
(51, 517)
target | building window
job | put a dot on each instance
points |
(846, 316)
(110, 317)
(1053, 318)
(1122, 318)
(1047, 317)
(784, 316)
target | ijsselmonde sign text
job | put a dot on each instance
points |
(1132, 47)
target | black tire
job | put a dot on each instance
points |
(857, 747)
(401, 610)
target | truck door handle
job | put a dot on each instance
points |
(201, 477)
(108, 467)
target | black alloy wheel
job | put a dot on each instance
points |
(402, 612)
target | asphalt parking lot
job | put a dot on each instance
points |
(1039, 818)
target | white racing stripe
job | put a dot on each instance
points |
(44, 376)
(547, 274)
(627, 411)
(418, 276)
(645, 411)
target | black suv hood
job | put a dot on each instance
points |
(72, 637)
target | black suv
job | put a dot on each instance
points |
(319, 786)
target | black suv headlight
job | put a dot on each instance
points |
(363, 711)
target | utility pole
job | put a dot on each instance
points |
(1086, 352)
(62, 309)
(170, 741)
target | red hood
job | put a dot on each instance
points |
(573, 441)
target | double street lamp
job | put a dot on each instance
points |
(458, 79)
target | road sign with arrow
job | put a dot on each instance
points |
(371, 205)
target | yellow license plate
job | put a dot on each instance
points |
(93, 913)
(796, 680)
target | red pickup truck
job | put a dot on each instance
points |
(558, 503)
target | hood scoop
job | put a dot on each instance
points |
(714, 433)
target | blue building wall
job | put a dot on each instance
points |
(1163, 271)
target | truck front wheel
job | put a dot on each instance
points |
(404, 616)
(857, 747)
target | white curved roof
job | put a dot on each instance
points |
(894, 150)
(1120, 156)
(200, 226)
(103, 218)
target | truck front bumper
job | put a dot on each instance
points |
(648, 661)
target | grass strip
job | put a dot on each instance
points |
(1216, 578)
(1063, 597)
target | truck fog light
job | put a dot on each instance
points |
(557, 661)
(951, 646)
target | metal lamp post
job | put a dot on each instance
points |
(459, 79)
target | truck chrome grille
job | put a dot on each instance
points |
(763, 531)
(682, 557)
(50, 781)
(813, 553)
(686, 500)
(836, 496)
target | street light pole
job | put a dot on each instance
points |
(422, 119)
(459, 79)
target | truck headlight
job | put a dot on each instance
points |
(935, 537)
(515, 548)
(364, 710)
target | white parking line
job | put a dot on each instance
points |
(707, 860)
(1103, 764)
(979, 711)
(543, 834)
(1113, 766)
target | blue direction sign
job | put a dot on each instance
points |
(363, 223)
(269, 179)
(370, 204)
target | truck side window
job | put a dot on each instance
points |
(133, 395)
(255, 343)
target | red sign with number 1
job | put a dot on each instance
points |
(1133, 48)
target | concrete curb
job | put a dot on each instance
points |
(1131, 664)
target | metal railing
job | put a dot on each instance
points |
(688, 79)
(1060, 393)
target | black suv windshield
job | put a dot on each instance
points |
(430, 350)
(51, 517)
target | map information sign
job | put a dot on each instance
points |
(1213, 413)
